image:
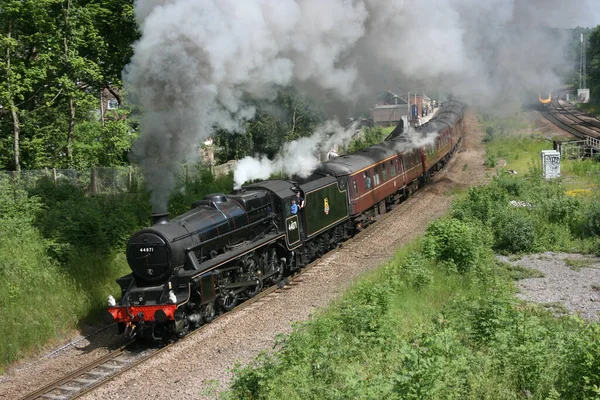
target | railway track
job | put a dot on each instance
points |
(573, 121)
(102, 370)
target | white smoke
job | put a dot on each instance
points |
(197, 59)
(298, 157)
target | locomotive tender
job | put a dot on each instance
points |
(226, 248)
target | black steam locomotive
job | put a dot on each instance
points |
(226, 248)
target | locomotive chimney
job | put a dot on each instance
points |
(160, 218)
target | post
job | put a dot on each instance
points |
(93, 181)
(101, 108)
(54, 173)
(129, 180)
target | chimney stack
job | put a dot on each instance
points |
(160, 218)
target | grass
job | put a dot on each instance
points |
(39, 302)
(388, 129)
(518, 152)
(590, 108)
(576, 264)
(517, 272)
(412, 308)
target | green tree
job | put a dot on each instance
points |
(290, 116)
(593, 59)
(55, 58)
(24, 64)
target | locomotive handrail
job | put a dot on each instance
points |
(190, 250)
(215, 262)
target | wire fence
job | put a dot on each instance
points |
(109, 180)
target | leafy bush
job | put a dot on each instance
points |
(30, 316)
(592, 215)
(491, 160)
(201, 182)
(514, 232)
(481, 203)
(581, 378)
(369, 137)
(511, 185)
(453, 240)
(99, 224)
(412, 270)
(363, 315)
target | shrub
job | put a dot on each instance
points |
(481, 203)
(561, 209)
(416, 271)
(363, 315)
(511, 184)
(491, 160)
(514, 232)
(581, 377)
(453, 240)
(30, 316)
(593, 218)
(201, 183)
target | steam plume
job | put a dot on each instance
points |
(196, 59)
(298, 157)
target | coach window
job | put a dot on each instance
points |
(367, 177)
(392, 168)
(384, 174)
(376, 178)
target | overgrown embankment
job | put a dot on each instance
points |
(61, 251)
(441, 320)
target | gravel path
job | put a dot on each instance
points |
(570, 280)
(186, 369)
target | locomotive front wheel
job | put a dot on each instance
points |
(209, 312)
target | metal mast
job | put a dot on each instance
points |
(582, 66)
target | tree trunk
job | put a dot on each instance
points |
(71, 100)
(71, 130)
(16, 132)
(293, 122)
(11, 105)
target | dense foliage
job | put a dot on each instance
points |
(441, 320)
(57, 57)
(593, 68)
(58, 237)
(289, 116)
(368, 137)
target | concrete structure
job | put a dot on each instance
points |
(550, 164)
(388, 110)
(391, 107)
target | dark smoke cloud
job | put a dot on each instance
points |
(197, 59)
